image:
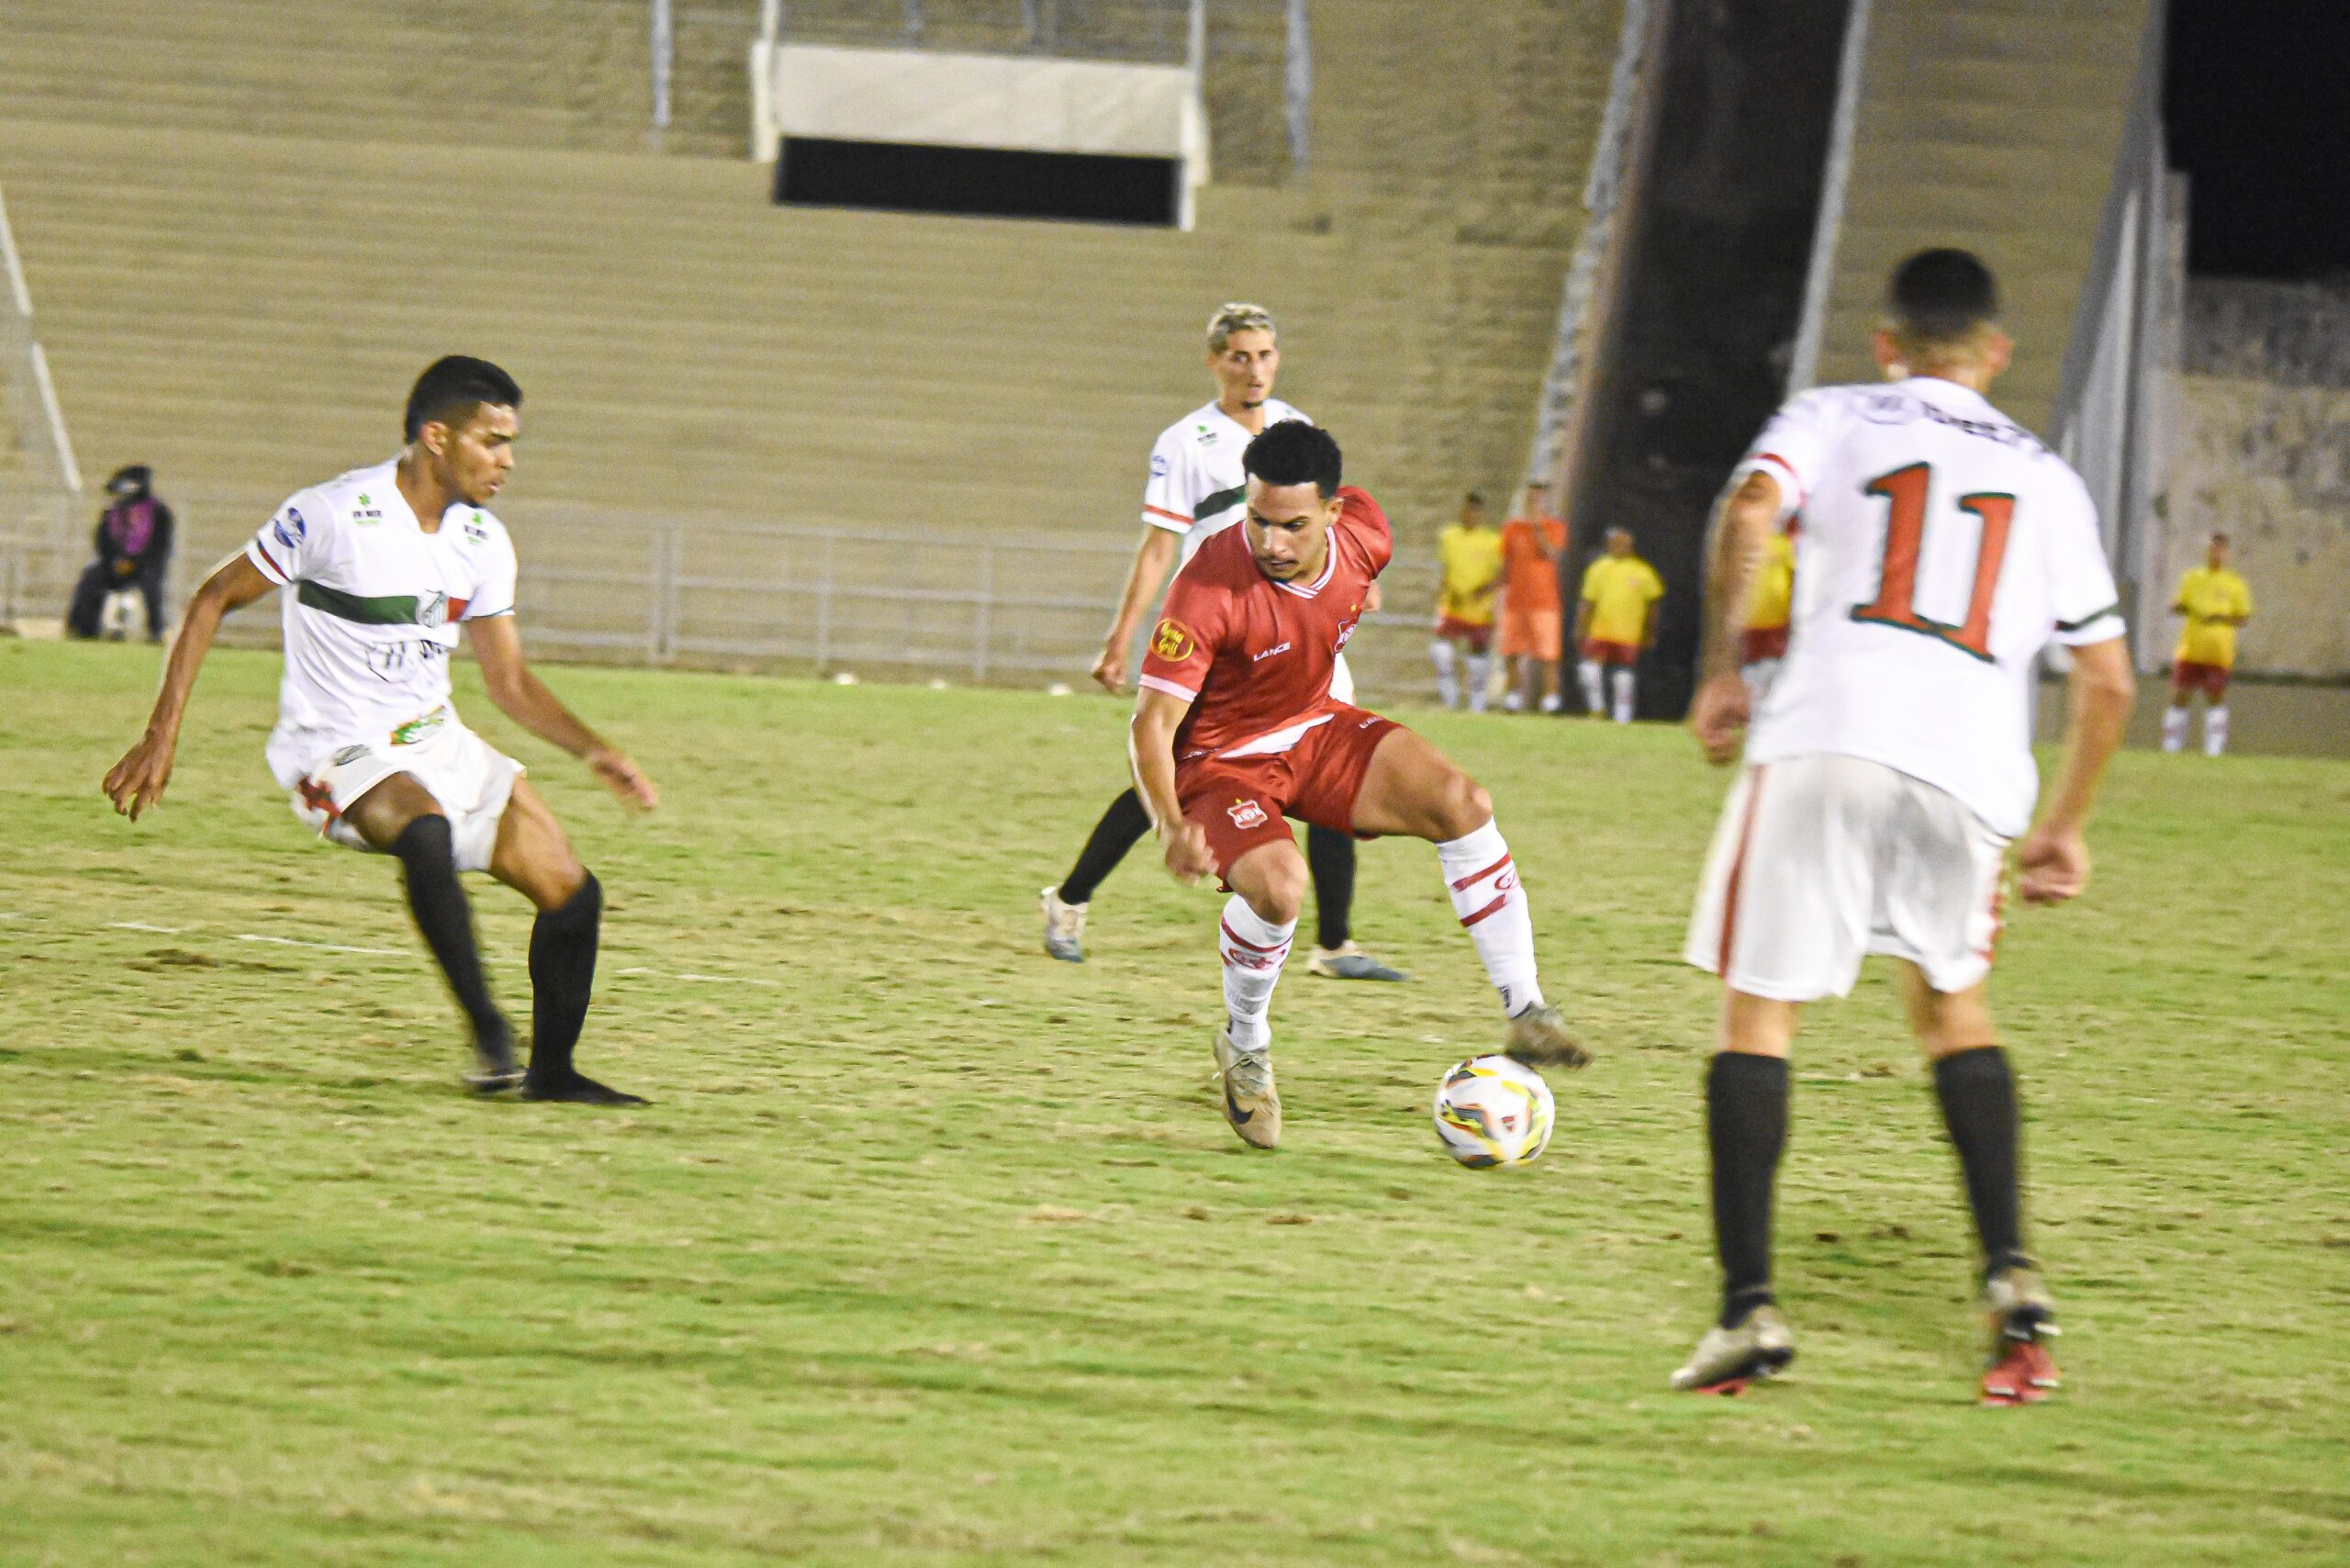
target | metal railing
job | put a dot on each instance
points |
(725, 593)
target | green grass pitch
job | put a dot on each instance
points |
(935, 1251)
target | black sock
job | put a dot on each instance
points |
(1331, 856)
(562, 973)
(1121, 827)
(445, 917)
(1978, 1095)
(1746, 1126)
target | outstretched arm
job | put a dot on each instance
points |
(522, 697)
(1150, 744)
(2055, 855)
(1154, 557)
(137, 781)
(1742, 526)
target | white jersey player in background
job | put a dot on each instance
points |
(1196, 489)
(379, 568)
(1889, 768)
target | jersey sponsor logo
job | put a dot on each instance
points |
(284, 536)
(387, 660)
(293, 519)
(477, 529)
(1247, 815)
(1173, 641)
(418, 728)
(1207, 435)
(366, 511)
(433, 610)
(1269, 652)
(1158, 466)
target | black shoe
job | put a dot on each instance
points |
(496, 1068)
(571, 1087)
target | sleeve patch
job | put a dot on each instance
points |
(1173, 641)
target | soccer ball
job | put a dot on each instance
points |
(1492, 1110)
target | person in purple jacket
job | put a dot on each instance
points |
(134, 547)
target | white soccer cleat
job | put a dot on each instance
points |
(1251, 1104)
(1727, 1360)
(1064, 928)
(1351, 962)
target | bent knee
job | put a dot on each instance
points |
(1277, 896)
(1464, 807)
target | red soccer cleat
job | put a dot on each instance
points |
(2025, 1375)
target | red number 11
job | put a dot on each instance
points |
(1895, 604)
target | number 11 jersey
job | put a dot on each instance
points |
(1942, 547)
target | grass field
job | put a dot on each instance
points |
(934, 1251)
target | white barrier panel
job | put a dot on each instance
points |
(1011, 103)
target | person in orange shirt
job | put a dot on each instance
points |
(1533, 621)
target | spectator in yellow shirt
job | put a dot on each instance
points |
(2215, 603)
(1614, 623)
(1767, 614)
(1471, 554)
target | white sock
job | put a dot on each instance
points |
(1253, 950)
(1593, 702)
(1481, 681)
(2174, 728)
(2215, 730)
(1488, 898)
(1623, 697)
(1447, 683)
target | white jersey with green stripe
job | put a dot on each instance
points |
(371, 610)
(1197, 487)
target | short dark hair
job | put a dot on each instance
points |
(2220, 538)
(1474, 498)
(457, 382)
(1295, 453)
(1942, 295)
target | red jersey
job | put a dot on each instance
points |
(1254, 656)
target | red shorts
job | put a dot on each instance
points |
(1598, 653)
(1476, 633)
(1757, 646)
(1243, 801)
(2211, 680)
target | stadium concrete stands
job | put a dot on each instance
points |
(246, 226)
(1991, 125)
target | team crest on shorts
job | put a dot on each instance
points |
(1246, 814)
(1172, 640)
(350, 754)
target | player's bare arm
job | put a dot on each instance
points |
(1152, 740)
(1154, 558)
(522, 697)
(137, 781)
(1742, 534)
(2054, 857)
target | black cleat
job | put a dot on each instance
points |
(494, 1067)
(574, 1087)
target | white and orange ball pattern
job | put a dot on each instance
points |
(1491, 1111)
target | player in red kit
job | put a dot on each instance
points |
(1237, 732)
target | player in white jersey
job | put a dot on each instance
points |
(380, 567)
(1197, 489)
(1890, 767)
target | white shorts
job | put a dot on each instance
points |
(1821, 860)
(472, 781)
